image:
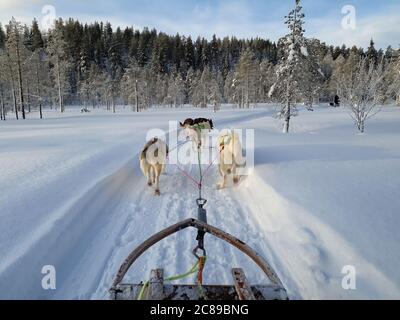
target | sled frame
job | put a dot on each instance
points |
(201, 226)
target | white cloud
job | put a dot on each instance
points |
(223, 18)
(10, 5)
(233, 18)
(383, 28)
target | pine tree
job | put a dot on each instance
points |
(215, 94)
(168, 61)
(313, 78)
(189, 56)
(176, 90)
(291, 67)
(132, 85)
(56, 49)
(190, 86)
(3, 85)
(393, 78)
(2, 37)
(266, 78)
(40, 78)
(246, 77)
(17, 54)
(8, 75)
(372, 54)
(229, 88)
(35, 37)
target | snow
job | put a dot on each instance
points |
(319, 199)
(271, 90)
(304, 51)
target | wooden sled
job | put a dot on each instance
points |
(158, 290)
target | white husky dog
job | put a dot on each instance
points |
(153, 159)
(231, 156)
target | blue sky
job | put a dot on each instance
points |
(243, 18)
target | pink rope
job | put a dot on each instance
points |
(187, 175)
(198, 185)
(210, 165)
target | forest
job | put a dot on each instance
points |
(94, 65)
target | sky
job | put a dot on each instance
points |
(336, 22)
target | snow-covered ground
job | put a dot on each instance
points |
(320, 198)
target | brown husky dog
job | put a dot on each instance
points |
(153, 159)
(196, 129)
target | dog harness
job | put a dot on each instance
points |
(226, 140)
(200, 126)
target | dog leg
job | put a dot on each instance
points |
(157, 173)
(222, 184)
(148, 176)
(235, 175)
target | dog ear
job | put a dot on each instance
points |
(181, 124)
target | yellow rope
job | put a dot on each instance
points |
(194, 269)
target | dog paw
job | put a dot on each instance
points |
(157, 192)
(220, 187)
(149, 184)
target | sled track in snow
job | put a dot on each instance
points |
(87, 238)
(96, 232)
(150, 214)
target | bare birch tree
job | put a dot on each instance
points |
(363, 91)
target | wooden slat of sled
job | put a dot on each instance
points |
(191, 292)
(243, 289)
(156, 285)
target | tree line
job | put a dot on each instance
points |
(94, 65)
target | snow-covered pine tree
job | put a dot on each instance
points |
(17, 54)
(215, 96)
(372, 53)
(327, 67)
(2, 37)
(393, 79)
(291, 69)
(204, 87)
(8, 74)
(59, 59)
(3, 86)
(176, 90)
(229, 89)
(37, 68)
(313, 78)
(93, 86)
(190, 85)
(245, 81)
(132, 85)
(41, 78)
(266, 78)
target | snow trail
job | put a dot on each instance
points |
(287, 210)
